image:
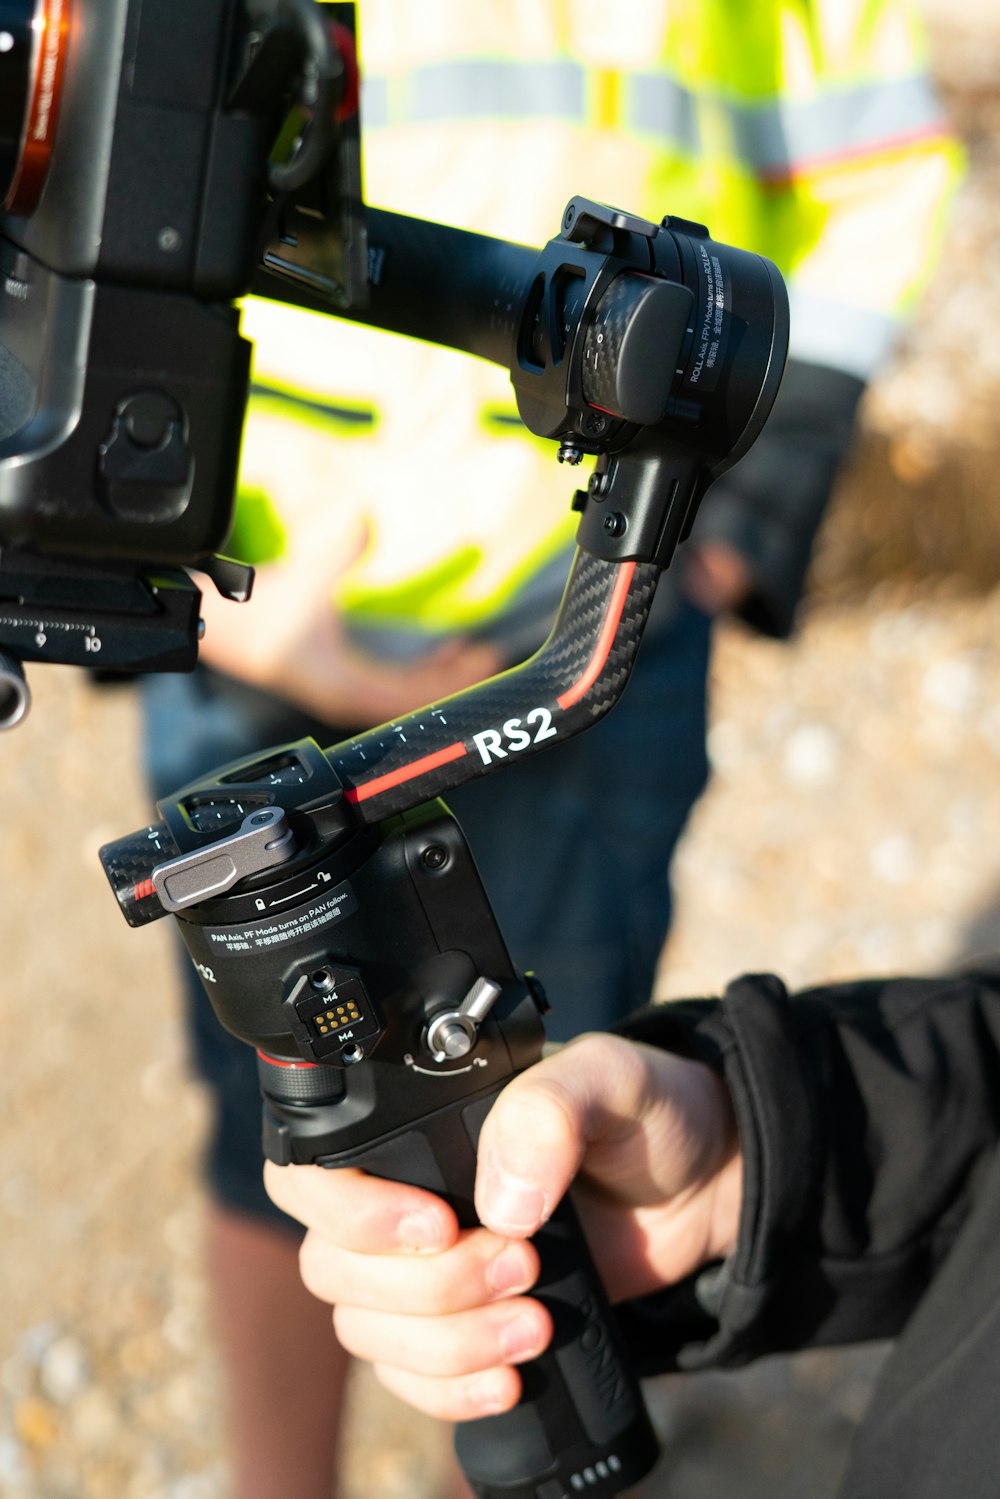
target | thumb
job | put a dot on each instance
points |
(533, 1140)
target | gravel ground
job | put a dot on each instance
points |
(854, 776)
(850, 827)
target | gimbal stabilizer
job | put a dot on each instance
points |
(329, 902)
(333, 909)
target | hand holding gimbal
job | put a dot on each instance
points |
(330, 904)
(333, 909)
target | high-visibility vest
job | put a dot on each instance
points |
(807, 131)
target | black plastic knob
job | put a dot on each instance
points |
(633, 345)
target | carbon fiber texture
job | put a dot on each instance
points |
(129, 862)
(610, 324)
(586, 662)
(395, 750)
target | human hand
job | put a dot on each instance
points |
(290, 640)
(715, 576)
(442, 1312)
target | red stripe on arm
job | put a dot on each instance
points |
(605, 640)
(368, 789)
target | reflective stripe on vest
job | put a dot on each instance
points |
(805, 130)
(773, 138)
(778, 138)
(478, 88)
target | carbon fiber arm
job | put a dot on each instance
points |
(574, 679)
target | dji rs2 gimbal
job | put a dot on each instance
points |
(327, 898)
(331, 905)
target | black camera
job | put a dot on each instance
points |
(144, 158)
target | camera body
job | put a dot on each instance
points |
(123, 374)
(140, 187)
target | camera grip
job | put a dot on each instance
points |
(581, 1425)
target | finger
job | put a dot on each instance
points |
(328, 549)
(455, 666)
(460, 1399)
(535, 1135)
(479, 1269)
(509, 1332)
(359, 1212)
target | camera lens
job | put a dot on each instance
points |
(33, 36)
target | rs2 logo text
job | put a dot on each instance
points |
(514, 736)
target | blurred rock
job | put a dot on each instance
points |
(64, 1371)
(37, 1423)
(855, 775)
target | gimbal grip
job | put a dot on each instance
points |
(581, 1425)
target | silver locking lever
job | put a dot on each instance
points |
(453, 1033)
(264, 841)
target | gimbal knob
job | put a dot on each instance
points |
(453, 1033)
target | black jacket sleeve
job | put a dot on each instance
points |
(869, 1116)
(769, 506)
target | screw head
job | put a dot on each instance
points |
(435, 856)
(615, 524)
(570, 453)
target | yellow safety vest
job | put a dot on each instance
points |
(807, 131)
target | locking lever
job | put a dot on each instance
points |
(264, 841)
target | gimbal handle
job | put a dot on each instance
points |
(581, 1422)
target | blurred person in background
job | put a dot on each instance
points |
(410, 540)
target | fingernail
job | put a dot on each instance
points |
(515, 1206)
(508, 1272)
(420, 1231)
(519, 1339)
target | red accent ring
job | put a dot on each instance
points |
(280, 1062)
(52, 22)
(351, 94)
